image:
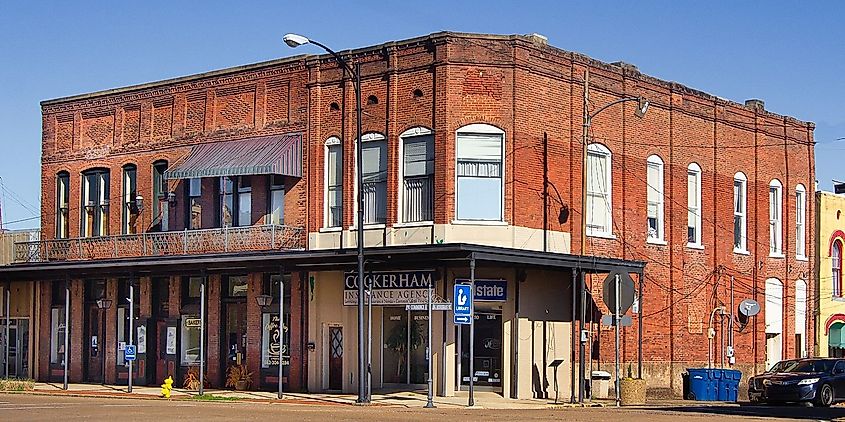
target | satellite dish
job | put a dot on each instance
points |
(749, 307)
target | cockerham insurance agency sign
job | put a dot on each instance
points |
(390, 287)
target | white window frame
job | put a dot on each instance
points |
(742, 213)
(694, 170)
(406, 135)
(655, 162)
(800, 222)
(481, 128)
(603, 151)
(801, 316)
(327, 224)
(367, 137)
(775, 219)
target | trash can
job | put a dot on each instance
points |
(702, 384)
(600, 382)
(728, 384)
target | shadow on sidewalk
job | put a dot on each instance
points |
(785, 411)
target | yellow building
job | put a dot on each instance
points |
(830, 302)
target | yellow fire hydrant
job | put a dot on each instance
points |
(167, 387)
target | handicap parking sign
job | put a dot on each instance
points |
(463, 304)
(129, 352)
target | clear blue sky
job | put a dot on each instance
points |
(790, 54)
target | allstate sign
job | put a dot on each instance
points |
(489, 290)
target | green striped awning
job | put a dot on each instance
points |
(273, 154)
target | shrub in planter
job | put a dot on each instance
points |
(13, 384)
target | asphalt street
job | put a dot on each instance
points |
(24, 407)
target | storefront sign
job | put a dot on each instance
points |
(192, 322)
(488, 290)
(390, 287)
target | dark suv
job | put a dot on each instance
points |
(820, 381)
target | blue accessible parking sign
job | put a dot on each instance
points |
(129, 352)
(463, 304)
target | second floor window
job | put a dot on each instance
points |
(599, 215)
(480, 162)
(235, 196)
(62, 205)
(654, 189)
(775, 218)
(418, 176)
(277, 200)
(836, 267)
(129, 212)
(740, 212)
(694, 205)
(194, 209)
(334, 183)
(95, 203)
(375, 178)
(159, 199)
(800, 215)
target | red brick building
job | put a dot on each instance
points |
(469, 140)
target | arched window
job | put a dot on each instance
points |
(333, 212)
(599, 191)
(62, 205)
(654, 189)
(417, 175)
(694, 205)
(740, 212)
(129, 208)
(95, 203)
(836, 267)
(775, 218)
(800, 218)
(479, 173)
(374, 160)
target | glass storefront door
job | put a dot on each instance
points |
(18, 342)
(487, 349)
(405, 337)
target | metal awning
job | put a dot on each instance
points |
(273, 154)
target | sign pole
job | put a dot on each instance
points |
(430, 403)
(67, 330)
(616, 323)
(281, 329)
(460, 359)
(202, 337)
(131, 320)
(471, 401)
(369, 342)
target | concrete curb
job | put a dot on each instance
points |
(183, 397)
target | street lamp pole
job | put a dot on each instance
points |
(642, 107)
(294, 40)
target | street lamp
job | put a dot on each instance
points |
(642, 108)
(293, 41)
(103, 304)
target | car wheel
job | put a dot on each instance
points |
(825, 396)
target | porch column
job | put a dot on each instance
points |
(109, 342)
(296, 370)
(216, 375)
(76, 333)
(253, 328)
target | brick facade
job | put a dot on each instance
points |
(531, 91)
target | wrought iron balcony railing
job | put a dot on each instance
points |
(187, 242)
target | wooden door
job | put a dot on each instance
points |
(335, 358)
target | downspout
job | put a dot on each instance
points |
(545, 193)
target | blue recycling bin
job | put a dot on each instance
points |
(728, 384)
(702, 384)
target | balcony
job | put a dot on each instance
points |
(187, 242)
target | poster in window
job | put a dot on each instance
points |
(142, 339)
(171, 341)
(272, 348)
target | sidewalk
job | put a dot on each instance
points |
(409, 399)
